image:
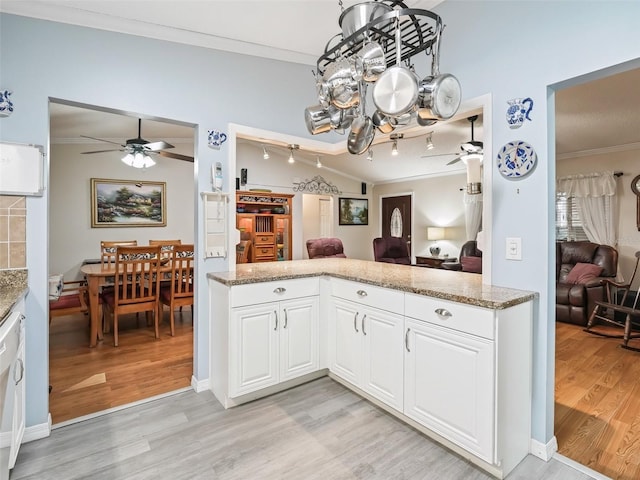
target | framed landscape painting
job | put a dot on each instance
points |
(127, 203)
(354, 211)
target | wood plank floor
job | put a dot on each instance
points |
(597, 402)
(317, 431)
(88, 380)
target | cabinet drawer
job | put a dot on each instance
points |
(264, 239)
(464, 318)
(371, 295)
(274, 291)
(264, 251)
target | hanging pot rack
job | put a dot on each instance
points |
(419, 33)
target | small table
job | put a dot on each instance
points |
(434, 262)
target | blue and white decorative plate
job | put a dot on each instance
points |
(516, 159)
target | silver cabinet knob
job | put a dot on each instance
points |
(361, 293)
(279, 290)
(443, 313)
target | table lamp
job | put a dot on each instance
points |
(435, 233)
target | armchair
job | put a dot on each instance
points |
(581, 268)
(391, 250)
(470, 259)
(325, 248)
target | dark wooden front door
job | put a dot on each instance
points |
(396, 217)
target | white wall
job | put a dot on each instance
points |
(71, 238)
(437, 201)
(551, 44)
(627, 162)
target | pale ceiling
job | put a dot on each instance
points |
(598, 116)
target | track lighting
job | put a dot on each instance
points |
(370, 155)
(318, 163)
(394, 148)
(265, 154)
(292, 147)
(430, 141)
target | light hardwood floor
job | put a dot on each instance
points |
(319, 430)
(597, 409)
(88, 380)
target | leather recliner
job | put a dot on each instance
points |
(575, 301)
(325, 248)
(469, 249)
(391, 250)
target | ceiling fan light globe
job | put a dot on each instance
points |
(128, 160)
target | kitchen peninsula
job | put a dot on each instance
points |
(436, 348)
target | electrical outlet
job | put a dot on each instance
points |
(514, 248)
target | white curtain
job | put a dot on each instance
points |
(472, 215)
(595, 197)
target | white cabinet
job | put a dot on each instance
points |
(273, 342)
(264, 337)
(468, 376)
(449, 381)
(365, 343)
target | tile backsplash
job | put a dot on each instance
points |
(13, 232)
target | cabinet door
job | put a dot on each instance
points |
(298, 337)
(449, 385)
(383, 360)
(253, 351)
(18, 404)
(345, 341)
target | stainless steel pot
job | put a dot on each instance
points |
(342, 87)
(369, 63)
(439, 97)
(383, 123)
(318, 119)
(362, 128)
(396, 91)
(359, 15)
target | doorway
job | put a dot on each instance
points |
(396, 214)
(83, 380)
(595, 381)
(317, 217)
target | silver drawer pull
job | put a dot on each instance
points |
(443, 313)
(276, 315)
(285, 319)
(355, 319)
(406, 340)
(19, 379)
(279, 290)
(361, 293)
(362, 324)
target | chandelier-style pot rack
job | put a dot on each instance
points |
(375, 48)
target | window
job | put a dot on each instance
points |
(568, 222)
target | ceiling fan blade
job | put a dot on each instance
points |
(178, 156)
(155, 146)
(102, 140)
(439, 155)
(102, 151)
(455, 160)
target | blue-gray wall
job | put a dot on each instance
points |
(505, 49)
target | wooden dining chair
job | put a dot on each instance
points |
(178, 292)
(166, 246)
(108, 249)
(73, 299)
(137, 284)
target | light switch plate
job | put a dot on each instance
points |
(514, 248)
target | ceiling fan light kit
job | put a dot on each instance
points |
(377, 38)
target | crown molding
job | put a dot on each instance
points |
(599, 151)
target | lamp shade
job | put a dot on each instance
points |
(435, 233)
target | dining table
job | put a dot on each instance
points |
(98, 275)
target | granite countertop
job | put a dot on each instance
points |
(458, 287)
(13, 285)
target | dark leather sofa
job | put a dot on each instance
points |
(575, 301)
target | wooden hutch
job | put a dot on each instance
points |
(265, 219)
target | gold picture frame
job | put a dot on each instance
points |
(128, 203)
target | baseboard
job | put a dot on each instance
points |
(199, 385)
(36, 432)
(544, 451)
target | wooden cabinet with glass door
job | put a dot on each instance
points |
(265, 219)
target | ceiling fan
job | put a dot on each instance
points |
(467, 148)
(140, 145)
